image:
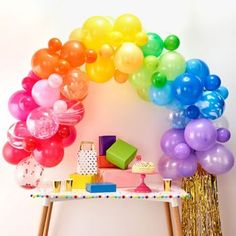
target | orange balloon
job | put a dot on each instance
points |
(44, 63)
(106, 51)
(121, 77)
(62, 66)
(74, 52)
(75, 85)
(91, 56)
(54, 45)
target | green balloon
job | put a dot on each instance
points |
(172, 42)
(171, 64)
(141, 79)
(159, 80)
(144, 93)
(154, 46)
(151, 63)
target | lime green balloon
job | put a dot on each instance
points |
(158, 80)
(172, 42)
(141, 79)
(144, 93)
(171, 64)
(151, 63)
(154, 46)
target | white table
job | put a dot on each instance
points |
(171, 201)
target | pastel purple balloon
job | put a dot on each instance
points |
(223, 135)
(217, 160)
(168, 168)
(181, 151)
(188, 167)
(44, 95)
(21, 104)
(200, 134)
(170, 139)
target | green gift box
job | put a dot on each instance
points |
(121, 154)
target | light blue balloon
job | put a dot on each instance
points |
(211, 105)
(175, 105)
(162, 96)
(223, 91)
(178, 119)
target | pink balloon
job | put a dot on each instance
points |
(55, 81)
(33, 75)
(60, 106)
(44, 95)
(17, 133)
(28, 83)
(29, 173)
(49, 152)
(71, 138)
(42, 123)
(21, 104)
(13, 155)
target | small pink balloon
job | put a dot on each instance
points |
(42, 123)
(28, 83)
(71, 138)
(29, 173)
(33, 75)
(44, 95)
(55, 81)
(60, 106)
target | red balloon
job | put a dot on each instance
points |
(71, 138)
(13, 155)
(63, 131)
(49, 152)
(29, 144)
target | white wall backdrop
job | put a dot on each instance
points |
(206, 29)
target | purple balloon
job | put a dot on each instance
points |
(217, 160)
(188, 167)
(21, 104)
(170, 139)
(200, 134)
(181, 151)
(223, 135)
(168, 168)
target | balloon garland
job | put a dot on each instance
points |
(49, 104)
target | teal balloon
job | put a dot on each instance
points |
(161, 96)
(154, 46)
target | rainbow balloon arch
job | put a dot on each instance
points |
(49, 105)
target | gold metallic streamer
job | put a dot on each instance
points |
(200, 213)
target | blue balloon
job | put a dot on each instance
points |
(178, 119)
(197, 67)
(175, 105)
(192, 112)
(162, 96)
(211, 105)
(223, 91)
(188, 88)
(212, 82)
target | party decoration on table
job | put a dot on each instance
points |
(50, 102)
(121, 154)
(87, 159)
(104, 187)
(80, 181)
(142, 167)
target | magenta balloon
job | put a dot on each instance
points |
(216, 160)
(28, 83)
(170, 139)
(20, 104)
(44, 95)
(33, 75)
(181, 151)
(200, 134)
(71, 138)
(42, 123)
(223, 135)
(188, 167)
(168, 168)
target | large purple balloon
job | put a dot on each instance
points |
(200, 134)
(188, 167)
(217, 160)
(168, 168)
(223, 135)
(182, 151)
(21, 104)
(170, 139)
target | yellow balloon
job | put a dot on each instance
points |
(101, 70)
(141, 38)
(77, 34)
(97, 30)
(128, 58)
(116, 38)
(129, 25)
(106, 51)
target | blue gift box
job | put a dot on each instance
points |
(101, 187)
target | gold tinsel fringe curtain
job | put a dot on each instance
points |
(200, 213)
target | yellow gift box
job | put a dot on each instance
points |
(80, 181)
